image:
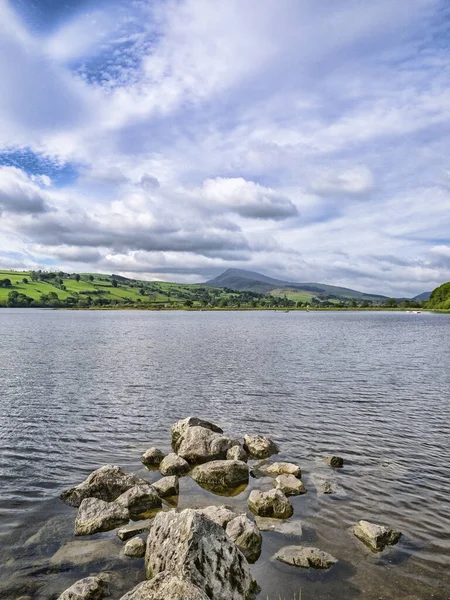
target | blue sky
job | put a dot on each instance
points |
(173, 139)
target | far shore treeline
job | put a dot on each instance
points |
(48, 289)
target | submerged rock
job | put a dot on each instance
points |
(135, 548)
(179, 428)
(284, 468)
(96, 515)
(335, 461)
(139, 500)
(289, 485)
(106, 483)
(199, 445)
(377, 537)
(300, 556)
(130, 531)
(237, 453)
(259, 446)
(166, 586)
(174, 465)
(221, 515)
(84, 552)
(152, 457)
(167, 487)
(246, 536)
(198, 551)
(270, 504)
(221, 475)
(89, 588)
(285, 527)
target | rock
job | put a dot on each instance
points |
(140, 499)
(199, 445)
(96, 515)
(259, 447)
(221, 515)
(221, 475)
(179, 428)
(270, 504)
(129, 531)
(89, 588)
(106, 483)
(246, 536)
(199, 551)
(135, 548)
(289, 485)
(167, 487)
(166, 586)
(84, 552)
(284, 468)
(377, 537)
(152, 457)
(300, 556)
(237, 453)
(174, 465)
(335, 461)
(285, 527)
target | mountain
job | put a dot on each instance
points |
(239, 279)
(423, 296)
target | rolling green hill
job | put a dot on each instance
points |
(440, 297)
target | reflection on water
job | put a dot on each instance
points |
(82, 389)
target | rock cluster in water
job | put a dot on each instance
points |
(200, 554)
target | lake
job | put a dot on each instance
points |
(81, 389)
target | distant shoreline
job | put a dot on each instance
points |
(231, 309)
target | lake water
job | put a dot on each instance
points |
(81, 389)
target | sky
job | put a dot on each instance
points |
(173, 139)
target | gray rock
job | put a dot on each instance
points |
(326, 486)
(135, 548)
(152, 457)
(300, 556)
(221, 515)
(129, 531)
(140, 500)
(284, 468)
(377, 537)
(96, 515)
(199, 445)
(89, 588)
(221, 475)
(174, 465)
(246, 536)
(106, 483)
(179, 428)
(289, 527)
(199, 551)
(84, 552)
(335, 461)
(166, 487)
(237, 453)
(259, 447)
(166, 586)
(289, 485)
(270, 504)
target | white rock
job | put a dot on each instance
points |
(199, 445)
(97, 515)
(289, 485)
(377, 537)
(221, 476)
(221, 515)
(174, 465)
(284, 468)
(167, 487)
(270, 504)
(259, 446)
(178, 429)
(300, 556)
(140, 499)
(134, 548)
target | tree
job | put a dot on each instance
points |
(24, 280)
(391, 303)
(189, 303)
(16, 299)
(91, 278)
(77, 277)
(114, 283)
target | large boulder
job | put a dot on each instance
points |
(284, 468)
(199, 445)
(174, 465)
(166, 586)
(89, 588)
(135, 548)
(377, 537)
(106, 483)
(221, 515)
(96, 515)
(246, 536)
(221, 476)
(301, 556)
(237, 452)
(270, 504)
(198, 550)
(259, 446)
(167, 487)
(139, 500)
(152, 457)
(289, 485)
(179, 428)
